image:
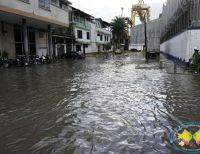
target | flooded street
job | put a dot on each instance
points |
(107, 105)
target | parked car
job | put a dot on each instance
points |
(134, 50)
(73, 55)
(118, 51)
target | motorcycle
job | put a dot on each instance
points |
(21, 61)
(45, 60)
(34, 60)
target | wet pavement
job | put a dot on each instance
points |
(118, 104)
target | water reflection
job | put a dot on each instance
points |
(106, 105)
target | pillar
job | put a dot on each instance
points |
(49, 42)
(25, 36)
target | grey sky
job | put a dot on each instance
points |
(108, 9)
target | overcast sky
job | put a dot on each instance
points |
(108, 9)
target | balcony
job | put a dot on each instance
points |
(82, 25)
(31, 11)
(104, 31)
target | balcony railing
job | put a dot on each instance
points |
(82, 25)
(104, 31)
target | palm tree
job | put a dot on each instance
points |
(119, 30)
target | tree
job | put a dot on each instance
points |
(119, 31)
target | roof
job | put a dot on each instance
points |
(104, 23)
(82, 13)
(66, 2)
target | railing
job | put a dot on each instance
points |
(103, 31)
(82, 25)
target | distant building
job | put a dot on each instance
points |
(28, 26)
(91, 35)
(137, 36)
(103, 34)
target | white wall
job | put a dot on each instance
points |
(41, 43)
(193, 41)
(93, 46)
(32, 9)
(84, 35)
(19, 5)
(182, 45)
(94, 39)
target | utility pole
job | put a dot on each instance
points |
(145, 36)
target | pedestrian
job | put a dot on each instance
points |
(195, 56)
(196, 52)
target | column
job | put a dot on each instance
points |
(65, 46)
(49, 42)
(25, 36)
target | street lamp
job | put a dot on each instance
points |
(145, 36)
(122, 11)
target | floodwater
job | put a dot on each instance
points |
(113, 105)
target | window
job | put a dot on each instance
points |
(88, 35)
(31, 41)
(79, 34)
(78, 48)
(101, 37)
(98, 24)
(19, 40)
(45, 4)
(82, 20)
(54, 2)
(105, 38)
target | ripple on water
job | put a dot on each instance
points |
(114, 105)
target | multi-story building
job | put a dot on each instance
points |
(103, 33)
(91, 35)
(27, 26)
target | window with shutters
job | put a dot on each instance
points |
(45, 4)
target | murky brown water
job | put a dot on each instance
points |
(95, 106)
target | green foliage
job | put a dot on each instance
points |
(119, 30)
(196, 62)
(103, 54)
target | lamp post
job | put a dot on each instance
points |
(122, 11)
(145, 37)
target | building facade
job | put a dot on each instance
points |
(28, 27)
(180, 28)
(103, 34)
(91, 35)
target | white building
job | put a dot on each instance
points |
(180, 28)
(103, 35)
(91, 35)
(27, 25)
